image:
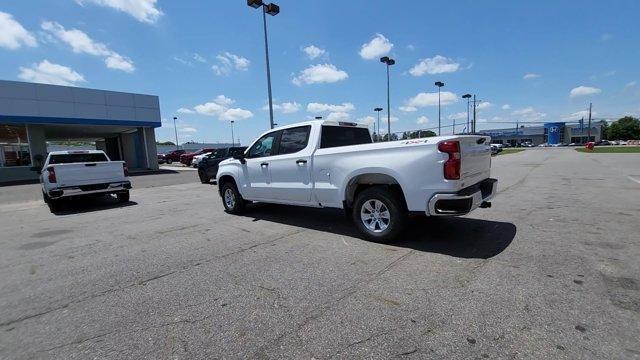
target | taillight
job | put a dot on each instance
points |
(125, 169)
(452, 165)
(52, 175)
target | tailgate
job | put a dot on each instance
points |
(476, 159)
(89, 173)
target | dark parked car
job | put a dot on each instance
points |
(188, 158)
(172, 156)
(208, 167)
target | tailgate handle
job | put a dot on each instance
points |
(90, 164)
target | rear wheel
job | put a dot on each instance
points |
(231, 198)
(123, 197)
(169, 161)
(379, 214)
(203, 177)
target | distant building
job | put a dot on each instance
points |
(550, 133)
(31, 115)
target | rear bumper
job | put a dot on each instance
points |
(463, 201)
(103, 188)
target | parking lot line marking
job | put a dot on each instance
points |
(633, 179)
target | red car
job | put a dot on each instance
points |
(170, 157)
(188, 158)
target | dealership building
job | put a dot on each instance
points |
(121, 124)
(551, 133)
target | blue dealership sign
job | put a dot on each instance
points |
(553, 132)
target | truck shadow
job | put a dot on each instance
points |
(454, 236)
(89, 204)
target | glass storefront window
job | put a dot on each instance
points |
(14, 146)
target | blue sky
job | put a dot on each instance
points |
(527, 60)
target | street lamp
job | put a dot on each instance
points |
(176, 130)
(439, 84)
(467, 96)
(273, 10)
(389, 61)
(233, 141)
(378, 109)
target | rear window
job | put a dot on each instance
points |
(334, 136)
(294, 139)
(77, 158)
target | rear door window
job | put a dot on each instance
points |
(294, 139)
(334, 136)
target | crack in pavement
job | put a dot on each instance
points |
(148, 280)
(321, 310)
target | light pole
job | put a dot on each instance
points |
(467, 96)
(176, 130)
(233, 139)
(273, 10)
(378, 109)
(389, 61)
(439, 84)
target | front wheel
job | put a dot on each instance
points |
(231, 198)
(379, 214)
(203, 177)
(169, 161)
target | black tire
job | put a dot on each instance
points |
(45, 197)
(169, 161)
(237, 205)
(54, 205)
(123, 197)
(383, 231)
(203, 177)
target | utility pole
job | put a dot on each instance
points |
(176, 130)
(439, 84)
(454, 127)
(589, 129)
(473, 131)
(467, 96)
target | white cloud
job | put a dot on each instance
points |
(375, 48)
(13, 35)
(579, 115)
(506, 107)
(630, 85)
(531, 76)
(313, 51)
(484, 105)
(228, 61)
(408, 108)
(411, 47)
(605, 37)
(49, 73)
(431, 99)
(185, 111)
(285, 107)
(220, 108)
(320, 73)
(367, 120)
(188, 129)
(338, 116)
(422, 120)
(142, 10)
(584, 91)
(457, 116)
(81, 43)
(528, 114)
(435, 65)
(318, 107)
(199, 58)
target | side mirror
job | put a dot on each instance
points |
(240, 157)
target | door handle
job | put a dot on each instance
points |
(264, 164)
(301, 162)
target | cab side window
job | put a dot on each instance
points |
(264, 146)
(294, 139)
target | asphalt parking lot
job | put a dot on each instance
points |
(550, 271)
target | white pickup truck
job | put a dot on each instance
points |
(79, 173)
(336, 164)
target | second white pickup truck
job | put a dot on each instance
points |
(80, 173)
(336, 164)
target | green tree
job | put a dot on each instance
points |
(164, 143)
(626, 128)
